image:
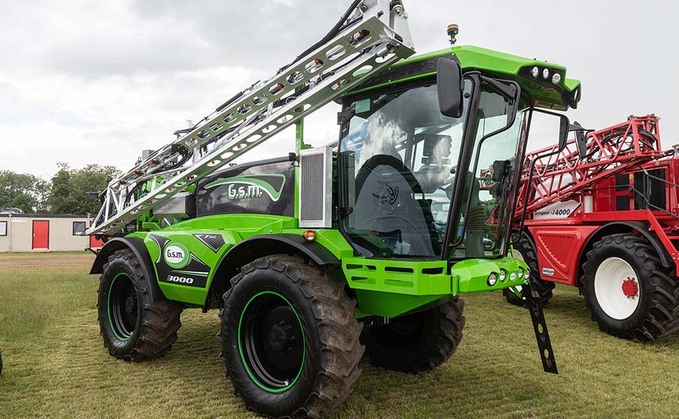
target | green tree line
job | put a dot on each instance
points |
(69, 191)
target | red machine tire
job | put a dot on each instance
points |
(627, 290)
(525, 250)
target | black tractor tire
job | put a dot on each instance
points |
(133, 326)
(290, 341)
(635, 297)
(525, 249)
(416, 342)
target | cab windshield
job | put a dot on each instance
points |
(398, 162)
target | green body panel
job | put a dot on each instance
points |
(180, 292)
(377, 303)
(398, 276)
(384, 287)
(231, 228)
(497, 64)
(334, 242)
(388, 288)
(247, 225)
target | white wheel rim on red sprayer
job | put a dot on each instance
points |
(616, 288)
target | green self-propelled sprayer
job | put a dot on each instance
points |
(330, 252)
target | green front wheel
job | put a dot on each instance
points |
(290, 340)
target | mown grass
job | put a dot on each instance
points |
(55, 363)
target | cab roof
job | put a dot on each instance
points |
(545, 83)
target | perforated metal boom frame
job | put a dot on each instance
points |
(610, 151)
(376, 36)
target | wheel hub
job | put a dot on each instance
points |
(630, 288)
(614, 275)
(271, 340)
(122, 307)
(281, 337)
(130, 305)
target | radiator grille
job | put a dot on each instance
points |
(315, 184)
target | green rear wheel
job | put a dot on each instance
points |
(123, 306)
(416, 342)
(133, 325)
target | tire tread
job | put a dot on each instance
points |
(339, 332)
(160, 319)
(661, 318)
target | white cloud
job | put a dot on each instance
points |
(96, 82)
(63, 118)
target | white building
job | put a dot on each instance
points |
(44, 233)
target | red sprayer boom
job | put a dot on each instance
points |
(610, 151)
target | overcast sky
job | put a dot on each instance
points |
(86, 81)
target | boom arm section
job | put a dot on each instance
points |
(557, 175)
(373, 36)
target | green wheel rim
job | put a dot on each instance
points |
(271, 342)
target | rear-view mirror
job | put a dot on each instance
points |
(564, 125)
(449, 87)
(548, 128)
(580, 138)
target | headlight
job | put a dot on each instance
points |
(520, 272)
(492, 279)
(512, 277)
(503, 275)
(545, 73)
(556, 78)
(535, 72)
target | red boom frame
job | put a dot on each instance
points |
(558, 175)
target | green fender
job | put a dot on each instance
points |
(136, 245)
(256, 247)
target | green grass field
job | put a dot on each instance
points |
(55, 364)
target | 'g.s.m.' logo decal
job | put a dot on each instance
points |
(252, 186)
(175, 264)
(176, 256)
